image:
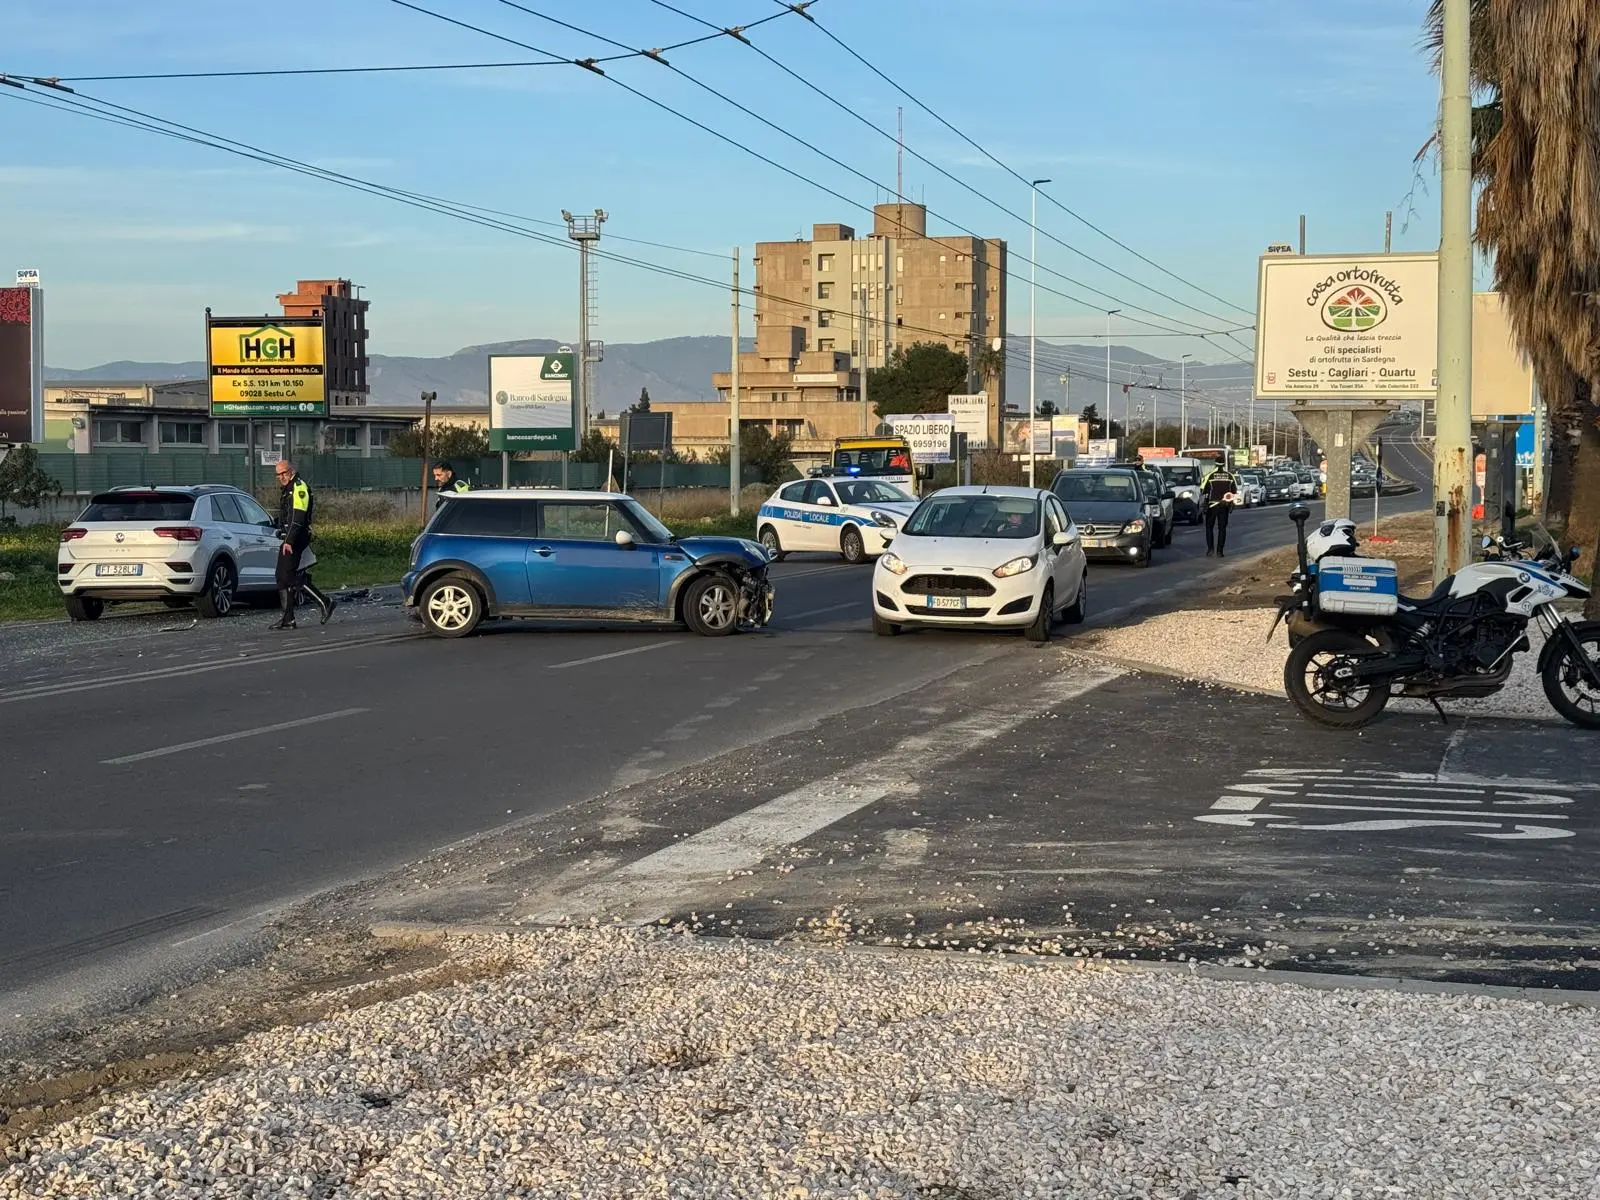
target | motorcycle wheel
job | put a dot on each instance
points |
(1309, 677)
(1569, 693)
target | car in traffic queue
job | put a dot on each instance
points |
(206, 545)
(983, 556)
(1184, 477)
(1108, 505)
(1308, 483)
(850, 516)
(1160, 501)
(1252, 490)
(1281, 487)
(578, 556)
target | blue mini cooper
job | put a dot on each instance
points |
(579, 556)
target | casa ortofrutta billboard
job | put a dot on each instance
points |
(1348, 327)
(21, 365)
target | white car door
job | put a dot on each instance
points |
(1066, 561)
(258, 525)
(785, 513)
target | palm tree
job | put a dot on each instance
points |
(1536, 154)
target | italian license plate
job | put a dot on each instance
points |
(1096, 542)
(947, 601)
(119, 569)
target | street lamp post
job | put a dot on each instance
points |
(1110, 312)
(1033, 339)
(1183, 403)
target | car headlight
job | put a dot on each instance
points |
(1134, 526)
(892, 564)
(1015, 567)
(883, 519)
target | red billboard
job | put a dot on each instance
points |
(21, 365)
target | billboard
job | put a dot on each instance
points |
(1358, 327)
(1016, 435)
(972, 418)
(1502, 379)
(532, 405)
(266, 366)
(1064, 438)
(21, 365)
(928, 435)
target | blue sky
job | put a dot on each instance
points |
(1195, 131)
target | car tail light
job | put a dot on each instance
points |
(72, 535)
(181, 533)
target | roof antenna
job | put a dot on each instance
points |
(900, 154)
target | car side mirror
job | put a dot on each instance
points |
(624, 539)
(826, 501)
(1169, 494)
(1064, 538)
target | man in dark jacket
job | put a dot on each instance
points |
(446, 483)
(296, 511)
(1216, 493)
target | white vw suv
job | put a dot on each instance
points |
(203, 545)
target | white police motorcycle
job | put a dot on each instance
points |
(1355, 641)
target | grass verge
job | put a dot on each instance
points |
(28, 572)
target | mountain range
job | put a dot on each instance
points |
(680, 369)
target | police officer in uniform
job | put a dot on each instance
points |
(296, 510)
(446, 483)
(1216, 493)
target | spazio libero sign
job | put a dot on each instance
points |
(1347, 327)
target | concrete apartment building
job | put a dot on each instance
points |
(828, 307)
(344, 331)
(894, 287)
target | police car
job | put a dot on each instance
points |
(852, 517)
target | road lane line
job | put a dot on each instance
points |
(231, 737)
(817, 612)
(583, 662)
(45, 691)
(654, 886)
(838, 570)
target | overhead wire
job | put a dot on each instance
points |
(81, 104)
(790, 171)
(955, 179)
(853, 53)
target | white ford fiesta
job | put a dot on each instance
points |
(991, 557)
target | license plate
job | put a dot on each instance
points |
(1096, 543)
(946, 601)
(119, 569)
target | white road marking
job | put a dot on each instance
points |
(654, 886)
(1291, 796)
(231, 737)
(834, 570)
(817, 612)
(45, 691)
(583, 662)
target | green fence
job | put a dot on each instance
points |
(81, 474)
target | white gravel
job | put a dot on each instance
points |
(619, 1064)
(1229, 646)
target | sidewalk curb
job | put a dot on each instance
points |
(430, 934)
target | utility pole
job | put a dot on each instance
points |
(1033, 334)
(863, 361)
(1183, 403)
(586, 232)
(1109, 314)
(1388, 233)
(1452, 449)
(735, 482)
(427, 446)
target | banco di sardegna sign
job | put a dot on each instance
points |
(1348, 327)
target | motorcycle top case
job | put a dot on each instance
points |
(1358, 587)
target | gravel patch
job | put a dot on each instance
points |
(1230, 647)
(618, 1063)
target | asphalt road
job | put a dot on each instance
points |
(166, 783)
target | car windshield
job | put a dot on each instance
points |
(1096, 487)
(1279, 480)
(138, 506)
(981, 516)
(1180, 476)
(870, 491)
(878, 460)
(655, 531)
